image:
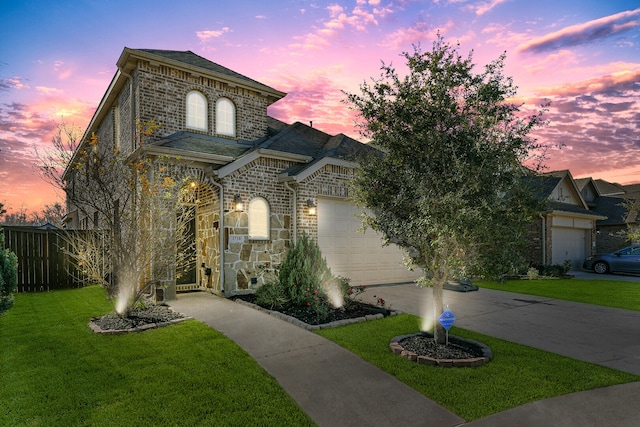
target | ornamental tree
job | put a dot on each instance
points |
(136, 208)
(447, 184)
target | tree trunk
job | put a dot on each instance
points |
(439, 333)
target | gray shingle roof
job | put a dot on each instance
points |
(569, 208)
(301, 139)
(614, 210)
(204, 144)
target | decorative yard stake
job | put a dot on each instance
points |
(446, 319)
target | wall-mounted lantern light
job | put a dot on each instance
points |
(311, 207)
(237, 203)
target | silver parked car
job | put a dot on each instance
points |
(625, 260)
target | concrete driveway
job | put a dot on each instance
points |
(605, 336)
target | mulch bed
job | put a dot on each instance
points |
(355, 310)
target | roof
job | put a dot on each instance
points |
(607, 188)
(612, 208)
(299, 138)
(553, 206)
(307, 146)
(204, 144)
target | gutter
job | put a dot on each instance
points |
(544, 238)
(134, 131)
(295, 211)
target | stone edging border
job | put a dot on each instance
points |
(98, 330)
(397, 348)
(309, 327)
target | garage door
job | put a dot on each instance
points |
(568, 244)
(358, 256)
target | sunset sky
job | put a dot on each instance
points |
(58, 57)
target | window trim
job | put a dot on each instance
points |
(221, 127)
(191, 116)
(262, 230)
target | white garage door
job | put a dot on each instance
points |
(568, 244)
(358, 256)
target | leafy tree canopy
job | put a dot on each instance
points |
(448, 185)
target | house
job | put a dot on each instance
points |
(610, 201)
(260, 183)
(566, 230)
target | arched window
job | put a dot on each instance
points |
(259, 219)
(225, 117)
(196, 111)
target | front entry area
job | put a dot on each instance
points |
(198, 243)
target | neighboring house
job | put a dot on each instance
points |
(611, 203)
(566, 231)
(260, 182)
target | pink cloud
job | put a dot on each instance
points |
(206, 35)
(584, 33)
(314, 98)
(404, 37)
(621, 80)
(13, 83)
(339, 20)
(595, 120)
(48, 90)
(483, 7)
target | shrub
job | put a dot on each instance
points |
(8, 275)
(555, 270)
(304, 271)
(271, 295)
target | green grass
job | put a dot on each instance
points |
(517, 375)
(608, 293)
(56, 372)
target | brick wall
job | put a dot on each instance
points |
(162, 92)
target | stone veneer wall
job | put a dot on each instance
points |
(208, 239)
(256, 260)
(250, 263)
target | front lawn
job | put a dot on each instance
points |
(609, 293)
(56, 372)
(517, 374)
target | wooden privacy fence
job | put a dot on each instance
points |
(43, 263)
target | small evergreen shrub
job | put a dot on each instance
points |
(306, 282)
(8, 275)
(271, 295)
(303, 272)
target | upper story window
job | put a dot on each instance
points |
(225, 117)
(196, 111)
(259, 219)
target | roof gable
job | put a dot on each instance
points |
(561, 188)
(189, 58)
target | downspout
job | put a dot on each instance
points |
(134, 131)
(221, 231)
(295, 211)
(544, 239)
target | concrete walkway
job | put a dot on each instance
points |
(336, 388)
(332, 385)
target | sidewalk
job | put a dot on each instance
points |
(332, 385)
(336, 388)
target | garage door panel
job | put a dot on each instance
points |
(568, 244)
(358, 256)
